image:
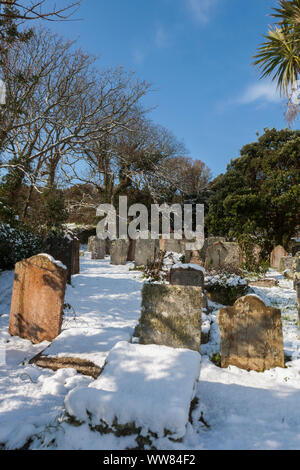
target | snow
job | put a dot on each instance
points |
(142, 385)
(225, 279)
(54, 261)
(237, 409)
(189, 266)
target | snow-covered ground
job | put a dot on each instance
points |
(236, 409)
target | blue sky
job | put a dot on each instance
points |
(198, 55)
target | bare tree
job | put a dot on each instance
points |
(24, 10)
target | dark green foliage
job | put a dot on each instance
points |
(16, 244)
(52, 209)
(260, 192)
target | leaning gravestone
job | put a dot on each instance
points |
(276, 255)
(38, 299)
(98, 249)
(223, 255)
(146, 251)
(119, 251)
(251, 335)
(171, 316)
(187, 275)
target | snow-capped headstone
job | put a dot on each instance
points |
(276, 255)
(171, 316)
(146, 251)
(223, 255)
(187, 275)
(38, 299)
(98, 248)
(119, 251)
(144, 391)
(251, 335)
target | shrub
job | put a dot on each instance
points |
(17, 243)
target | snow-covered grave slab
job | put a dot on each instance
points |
(87, 344)
(144, 389)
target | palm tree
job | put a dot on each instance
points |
(279, 56)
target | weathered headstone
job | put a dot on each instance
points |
(75, 256)
(187, 275)
(91, 242)
(295, 246)
(287, 263)
(64, 248)
(119, 251)
(171, 316)
(38, 299)
(172, 245)
(297, 281)
(107, 246)
(276, 255)
(263, 283)
(251, 335)
(131, 250)
(209, 241)
(98, 249)
(223, 255)
(146, 251)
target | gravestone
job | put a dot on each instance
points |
(172, 245)
(75, 256)
(91, 242)
(297, 280)
(119, 251)
(295, 246)
(223, 255)
(209, 241)
(64, 248)
(171, 316)
(107, 246)
(187, 275)
(287, 263)
(38, 299)
(251, 335)
(131, 250)
(98, 249)
(146, 251)
(276, 255)
(193, 257)
(263, 283)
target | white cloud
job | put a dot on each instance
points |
(201, 9)
(139, 56)
(161, 37)
(262, 91)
